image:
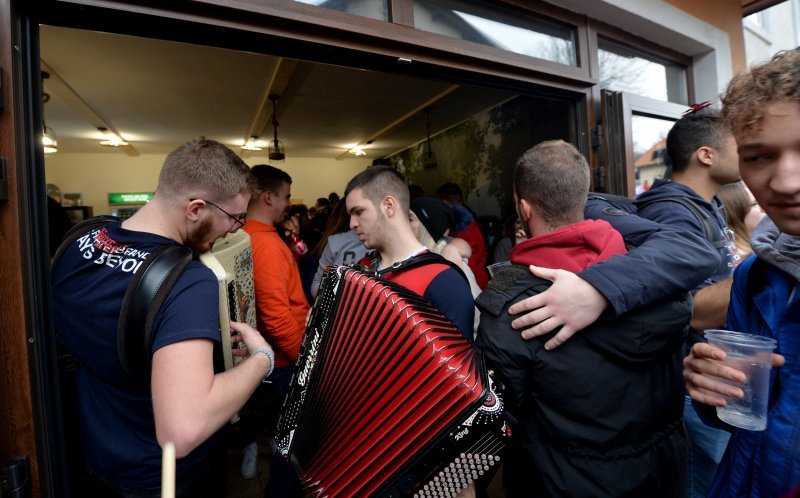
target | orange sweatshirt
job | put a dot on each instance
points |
(280, 302)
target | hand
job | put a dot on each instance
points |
(571, 302)
(249, 336)
(703, 373)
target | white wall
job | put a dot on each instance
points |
(771, 30)
(95, 175)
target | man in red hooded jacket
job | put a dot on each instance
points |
(601, 416)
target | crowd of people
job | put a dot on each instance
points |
(593, 317)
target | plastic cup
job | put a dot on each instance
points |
(751, 355)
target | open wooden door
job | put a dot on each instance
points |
(634, 137)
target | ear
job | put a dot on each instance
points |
(267, 197)
(705, 155)
(389, 206)
(525, 211)
(192, 211)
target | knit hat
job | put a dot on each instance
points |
(434, 214)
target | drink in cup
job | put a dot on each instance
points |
(751, 355)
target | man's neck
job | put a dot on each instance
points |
(702, 185)
(156, 217)
(262, 217)
(399, 249)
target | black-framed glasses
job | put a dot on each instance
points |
(239, 219)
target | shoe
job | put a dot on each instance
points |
(250, 461)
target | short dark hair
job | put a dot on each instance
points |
(206, 169)
(697, 129)
(269, 178)
(377, 182)
(554, 177)
(451, 193)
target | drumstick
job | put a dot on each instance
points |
(168, 471)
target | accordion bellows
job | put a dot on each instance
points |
(388, 398)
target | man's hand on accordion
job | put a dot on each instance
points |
(247, 335)
(254, 342)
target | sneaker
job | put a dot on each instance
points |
(250, 461)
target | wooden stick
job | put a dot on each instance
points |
(168, 471)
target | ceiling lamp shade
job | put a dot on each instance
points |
(252, 144)
(49, 141)
(275, 151)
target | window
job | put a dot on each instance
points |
(624, 69)
(541, 38)
(375, 9)
(649, 149)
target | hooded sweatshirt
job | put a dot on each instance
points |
(573, 247)
(601, 414)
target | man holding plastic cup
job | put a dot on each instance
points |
(762, 109)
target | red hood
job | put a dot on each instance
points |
(573, 247)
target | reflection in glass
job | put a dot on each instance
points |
(625, 70)
(375, 9)
(540, 38)
(650, 160)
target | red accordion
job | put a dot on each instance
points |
(387, 398)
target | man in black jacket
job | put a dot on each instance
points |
(601, 414)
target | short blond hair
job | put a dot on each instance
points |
(205, 169)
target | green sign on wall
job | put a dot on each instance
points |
(130, 197)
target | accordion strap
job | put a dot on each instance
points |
(425, 258)
(143, 299)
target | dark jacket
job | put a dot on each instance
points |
(667, 260)
(602, 414)
(672, 213)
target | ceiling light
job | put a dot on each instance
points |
(357, 151)
(49, 141)
(111, 139)
(276, 151)
(252, 144)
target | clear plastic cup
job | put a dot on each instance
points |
(751, 355)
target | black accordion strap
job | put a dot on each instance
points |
(425, 258)
(143, 299)
(76, 232)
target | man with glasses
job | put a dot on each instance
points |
(238, 220)
(124, 421)
(281, 305)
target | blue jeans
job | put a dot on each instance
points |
(707, 445)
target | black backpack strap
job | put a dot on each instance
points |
(146, 293)
(78, 231)
(426, 258)
(711, 230)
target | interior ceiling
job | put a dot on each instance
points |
(158, 94)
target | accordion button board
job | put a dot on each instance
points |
(387, 398)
